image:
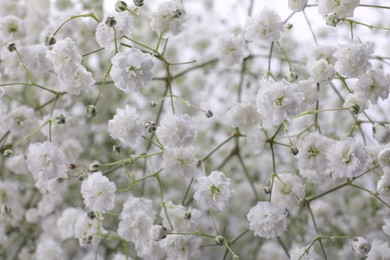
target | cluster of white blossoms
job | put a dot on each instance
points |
(176, 129)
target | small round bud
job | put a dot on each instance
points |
(152, 104)
(361, 245)
(110, 21)
(91, 111)
(208, 113)
(291, 76)
(11, 47)
(86, 238)
(187, 215)
(72, 166)
(7, 153)
(91, 215)
(120, 6)
(5, 209)
(60, 180)
(151, 126)
(94, 166)
(302, 202)
(138, 2)
(332, 19)
(61, 119)
(177, 13)
(289, 26)
(158, 232)
(116, 148)
(50, 40)
(219, 240)
(267, 190)
(294, 150)
(354, 109)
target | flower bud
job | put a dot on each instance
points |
(5, 209)
(72, 166)
(289, 26)
(120, 6)
(354, 109)
(291, 76)
(332, 19)
(11, 47)
(110, 21)
(267, 190)
(158, 232)
(60, 180)
(86, 239)
(361, 245)
(91, 215)
(187, 215)
(138, 2)
(91, 111)
(152, 104)
(151, 126)
(50, 40)
(177, 13)
(116, 148)
(61, 119)
(294, 150)
(302, 202)
(208, 113)
(7, 153)
(94, 166)
(219, 240)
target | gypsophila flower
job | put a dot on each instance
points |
(131, 70)
(98, 192)
(357, 101)
(343, 8)
(182, 247)
(256, 139)
(49, 249)
(12, 29)
(243, 115)
(178, 217)
(379, 250)
(213, 191)
(386, 227)
(169, 19)
(321, 71)
(158, 232)
(231, 49)
(46, 162)
(373, 85)
(384, 158)
(264, 28)
(181, 161)
(353, 58)
(267, 219)
(381, 133)
(67, 221)
(361, 245)
(64, 56)
(383, 187)
(348, 158)
(297, 5)
(177, 130)
(126, 126)
(287, 190)
(278, 101)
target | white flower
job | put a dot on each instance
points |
(177, 130)
(20, 121)
(297, 5)
(12, 29)
(98, 192)
(213, 191)
(181, 161)
(182, 247)
(323, 53)
(353, 58)
(361, 245)
(264, 28)
(169, 19)
(373, 85)
(243, 115)
(126, 126)
(158, 232)
(348, 158)
(384, 158)
(49, 249)
(321, 71)
(46, 162)
(386, 227)
(256, 139)
(379, 250)
(381, 133)
(267, 219)
(231, 49)
(356, 100)
(287, 190)
(312, 156)
(278, 101)
(383, 187)
(77, 80)
(67, 221)
(182, 218)
(131, 70)
(343, 8)
(87, 231)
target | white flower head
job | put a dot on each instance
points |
(267, 219)
(67, 221)
(256, 139)
(297, 5)
(126, 126)
(384, 158)
(158, 232)
(264, 28)
(46, 162)
(231, 49)
(213, 191)
(381, 133)
(383, 186)
(373, 85)
(321, 71)
(386, 227)
(181, 218)
(302, 254)
(243, 115)
(12, 29)
(278, 101)
(177, 130)
(348, 158)
(169, 19)
(287, 190)
(379, 250)
(353, 58)
(98, 192)
(77, 80)
(357, 101)
(361, 245)
(343, 8)
(131, 70)
(181, 161)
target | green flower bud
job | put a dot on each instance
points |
(91, 111)
(219, 240)
(120, 6)
(50, 40)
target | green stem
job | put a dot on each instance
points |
(217, 148)
(92, 15)
(251, 182)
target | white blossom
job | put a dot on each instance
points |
(361, 245)
(379, 250)
(181, 161)
(67, 221)
(287, 190)
(384, 158)
(12, 29)
(297, 5)
(343, 8)
(321, 71)
(169, 19)
(373, 85)
(231, 49)
(386, 227)
(243, 115)
(158, 232)
(381, 133)
(256, 139)
(383, 186)
(356, 100)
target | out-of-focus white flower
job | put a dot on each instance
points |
(181, 161)
(384, 158)
(297, 5)
(177, 130)
(343, 8)
(256, 139)
(98, 192)
(131, 70)
(182, 219)
(67, 221)
(158, 232)
(78, 80)
(213, 191)
(353, 58)
(64, 56)
(321, 71)
(87, 230)
(361, 245)
(20, 121)
(243, 115)
(379, 250)
(383, 186)
(181, 247)
(264, 28)
(381, 133)
(231, 49)
(386, 227)
(348, 158)
(373, 85)
(12, 29)
(278, 101)
(49, 249)
(46, 162)
(357, 101)
(126, 126)
(288, 190)
(169, 19)
(267, 219)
